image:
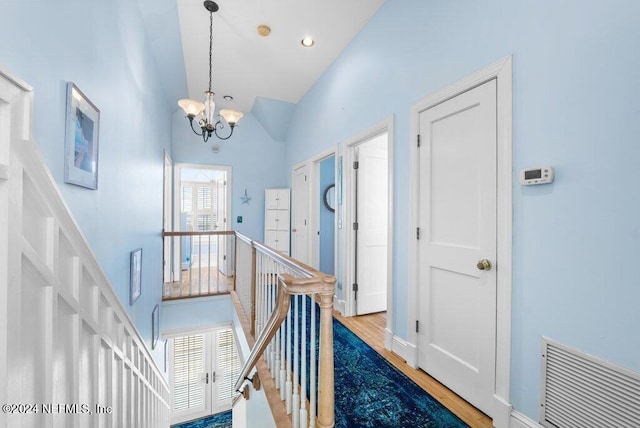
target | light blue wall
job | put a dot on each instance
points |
(256, 159)
(327, 218)
(200, 312)
(576, 102)
(102, 47)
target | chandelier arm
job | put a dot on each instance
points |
(215, 130)
(192, 128)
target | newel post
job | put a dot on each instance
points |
(326, 400)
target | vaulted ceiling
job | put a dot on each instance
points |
(245, 64)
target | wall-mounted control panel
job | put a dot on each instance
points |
(541, 175)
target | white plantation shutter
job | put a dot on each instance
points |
(228, 364)
(204, 198)
(187, 199)
(188, 363)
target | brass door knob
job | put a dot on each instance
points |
(484, 264)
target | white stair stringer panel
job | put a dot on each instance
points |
(67, 344)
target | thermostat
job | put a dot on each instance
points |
(541, 175)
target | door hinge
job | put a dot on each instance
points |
(355, 287)
(213, 377)
(356, 164)
(418, 140)
(355, 226)
(224, 257)
(225, 182)
(417, 326)
(417, 233)
(305, 178)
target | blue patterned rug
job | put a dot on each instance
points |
(370, 392)
(219, 420)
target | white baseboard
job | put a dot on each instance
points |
(388, 339)
(501, 412)
(404, 349)
(339, 305)
(518, 420)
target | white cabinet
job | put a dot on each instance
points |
(277, 219)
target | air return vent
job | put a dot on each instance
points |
(582, 391)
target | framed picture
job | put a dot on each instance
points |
(81, 140)
(155, 326)
(135, 277)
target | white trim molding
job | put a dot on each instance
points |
(518, 420)
(502, 72)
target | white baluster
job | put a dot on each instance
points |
(288, 350)
(303, 366)
(296, 362)
(313, 379)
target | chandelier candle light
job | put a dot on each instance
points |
(205, 112)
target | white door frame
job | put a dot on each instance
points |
(502, 72)
(314, 213)
(347, 148)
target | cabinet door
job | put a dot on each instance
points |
(282, 241)
(271, 239)
(283, 199)
(271, 199)
(283, 220)
(271, 220)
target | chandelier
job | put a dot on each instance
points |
(204, 113)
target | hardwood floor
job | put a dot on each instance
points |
(198, 282)
(370, 328)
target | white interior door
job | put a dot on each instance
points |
(457, 230)
(371, 217)
(300, 227)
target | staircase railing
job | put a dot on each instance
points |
(281, 298)
(201, 263)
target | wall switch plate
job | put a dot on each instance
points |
(239, 219)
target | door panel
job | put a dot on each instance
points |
(457, 220)
(300, 227)
(372, 194)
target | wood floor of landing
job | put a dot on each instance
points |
(370, 328)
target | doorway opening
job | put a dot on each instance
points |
(367, 272)
(202, 262)
(326, 198)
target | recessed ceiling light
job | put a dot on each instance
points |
(228, 98)
(264, 30)
(307, 42)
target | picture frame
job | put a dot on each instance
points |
(155, 326)
(135, 276)
(81, 140)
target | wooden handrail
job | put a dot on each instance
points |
(207, 233)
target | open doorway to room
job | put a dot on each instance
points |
(202, 260)
(367, 209)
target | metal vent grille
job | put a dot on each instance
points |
(582, 391)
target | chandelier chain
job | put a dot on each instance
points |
(210, 46)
